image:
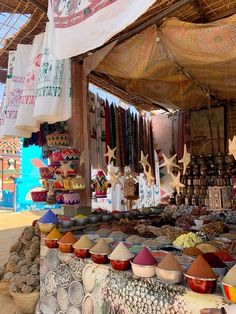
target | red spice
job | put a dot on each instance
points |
(224, 256)
(213, 260)
(145, 258)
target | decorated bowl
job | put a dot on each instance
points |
(45, 183)
(57, 139)
(220, 271)
(229, 292)
(169, 276)
(58, 184)
(81, 253)
(99, 258)
(45, 173)
(60, 198)
(143, 271)
(71, 199)
(54, 168)
(51, 243)
(65, 247)
(39, 196)
(46, 227)
(121, 264)
(201, 285)
(70, 154)
(56, 156)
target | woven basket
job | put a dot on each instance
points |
(56, 139)
(4, 288)
(26, 302)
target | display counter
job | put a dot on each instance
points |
(69, 285)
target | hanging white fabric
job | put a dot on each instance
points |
(25, 120)
(14, 91)
(53, 100)
(78, 26)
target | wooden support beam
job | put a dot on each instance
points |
(38, 5)
(197, 4)
(79, 124)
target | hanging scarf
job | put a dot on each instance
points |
(112, 127)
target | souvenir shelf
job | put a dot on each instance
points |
(61, 180)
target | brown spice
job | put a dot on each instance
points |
(68, 238)
(192, 251)
(170, 263)
(200, 268)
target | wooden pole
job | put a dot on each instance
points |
(79, 124)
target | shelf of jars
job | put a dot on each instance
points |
(208, 182)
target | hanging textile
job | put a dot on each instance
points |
(71, 23)
(18, 65)
(25, 120)
(112, 126)
(107, 127)
(53, 101)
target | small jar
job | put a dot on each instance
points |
(196, 190)
(194, 200)
(202, 181)
(190, 181)
(187, 200)
(201, 201)
(195, 181)
(184, 180)
(213, 181)
(206, 201)
(220, 181)
(190, 190)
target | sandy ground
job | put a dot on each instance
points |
(11, 226)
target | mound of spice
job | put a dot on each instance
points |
(49, 217)
(192, 251)
(84, 243)
(121, 253)
(145, 257)
(54, 234)
(169, 262)
(65, 218)
(201, 269)
(230, 277)
(207, 248)
(80, 216)
(68, 238)
(224, 256)
(213, 260)
(101, 248)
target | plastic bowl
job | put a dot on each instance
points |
(81, 253)
(220, 271)
(46, 227)
(143, 271)
(120, 264)
(169, 276)
(229, 292)
(51, 243)
(201, 285)
(65, 247)
(99, 258)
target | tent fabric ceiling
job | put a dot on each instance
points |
(163, 77)
(178, 64)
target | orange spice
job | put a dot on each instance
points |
(68, 238)
(200, 268)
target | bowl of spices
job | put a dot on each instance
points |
(200, 277)
(169, 270)
(66, 242)
(100, 251)
(48, 221)
(219, 267)
(143, 265)
(82, 247)
(52, 238)
(226, 258)
(228, 285)
(120, 257)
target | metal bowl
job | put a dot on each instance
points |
(106, 217)
(66, 223)
(169, 276)
(201, 285)
(128, 214)
(118, 215)
(220, 271)
(94, 219)
(81, 222)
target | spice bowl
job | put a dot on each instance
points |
(143, 271)
(120, 264)
(81, 221)
(81, 253)
(230, 263)
(66, 223)
(201, 285)
(229, 292)
(220, 271)
(65, 247)
(169, 276)
(46, 227)
(99, 258)
(51, 243)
